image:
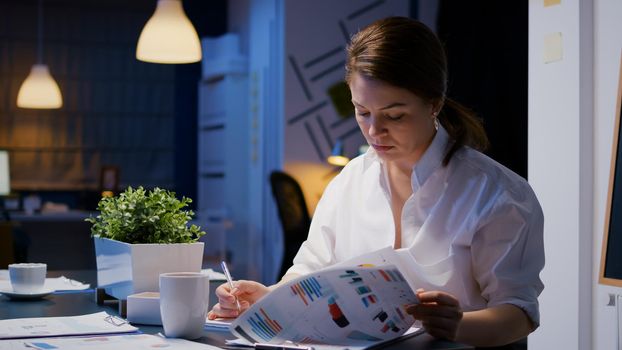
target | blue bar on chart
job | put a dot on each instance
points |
(264, 326)
(363, 290)
(308, 288)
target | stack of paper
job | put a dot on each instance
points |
(97, 323)
(96, 331)
(126, 341)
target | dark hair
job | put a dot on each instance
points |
(405, 53)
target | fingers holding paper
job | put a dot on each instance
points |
(246, 292)
(440, 313)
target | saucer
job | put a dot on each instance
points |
(26, 296)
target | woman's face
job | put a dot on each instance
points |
(395, 122)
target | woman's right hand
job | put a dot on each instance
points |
(247, 292)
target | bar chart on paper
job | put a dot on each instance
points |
(307, 289)
(340, 306)
(263, 325)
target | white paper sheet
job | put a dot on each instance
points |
(97, 323)
(112, 342)
(56, 283)
(214, 275)
(222, 323)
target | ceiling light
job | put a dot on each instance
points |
(169, 36)
(39, 90)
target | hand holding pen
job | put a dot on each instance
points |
(235, 299)
(225, 270)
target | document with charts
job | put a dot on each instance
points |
(358, 304)
(96, 323)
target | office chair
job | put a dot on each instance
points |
(293, 214)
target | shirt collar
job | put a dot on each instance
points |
(370, 157)
(430, 161)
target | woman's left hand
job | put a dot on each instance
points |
(439, 313)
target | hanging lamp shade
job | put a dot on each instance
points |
(39, 90)
(169, 36)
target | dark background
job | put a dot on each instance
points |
(487, 47)
(486, 42)
(613, 258)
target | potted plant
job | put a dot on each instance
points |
(140, 234)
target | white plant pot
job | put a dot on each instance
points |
(124, 269)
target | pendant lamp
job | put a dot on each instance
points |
(169, 36)
(39, 90)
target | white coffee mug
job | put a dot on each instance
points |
(27, 278)
(184, 298)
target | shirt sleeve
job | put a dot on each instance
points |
(318, 250)
(508, 253)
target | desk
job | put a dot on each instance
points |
(79, 303)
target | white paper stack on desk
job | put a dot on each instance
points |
(96, 331)
(97, 323)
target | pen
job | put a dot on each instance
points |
(225, 270)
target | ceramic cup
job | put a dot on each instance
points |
(27, 278)
(184, 298)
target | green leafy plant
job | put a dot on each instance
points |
(139, 216)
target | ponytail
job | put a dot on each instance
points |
(405, 53)
(463, 127)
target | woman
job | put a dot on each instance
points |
(473, 226)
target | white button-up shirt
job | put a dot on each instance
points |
(473, 227)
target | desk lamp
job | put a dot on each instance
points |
(337, 156)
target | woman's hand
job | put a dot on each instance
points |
(247, 292)
(439, 313)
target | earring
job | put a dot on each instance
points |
(435, 120)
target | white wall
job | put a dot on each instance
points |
(560, 169)
(572, 110)
(607, 49)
